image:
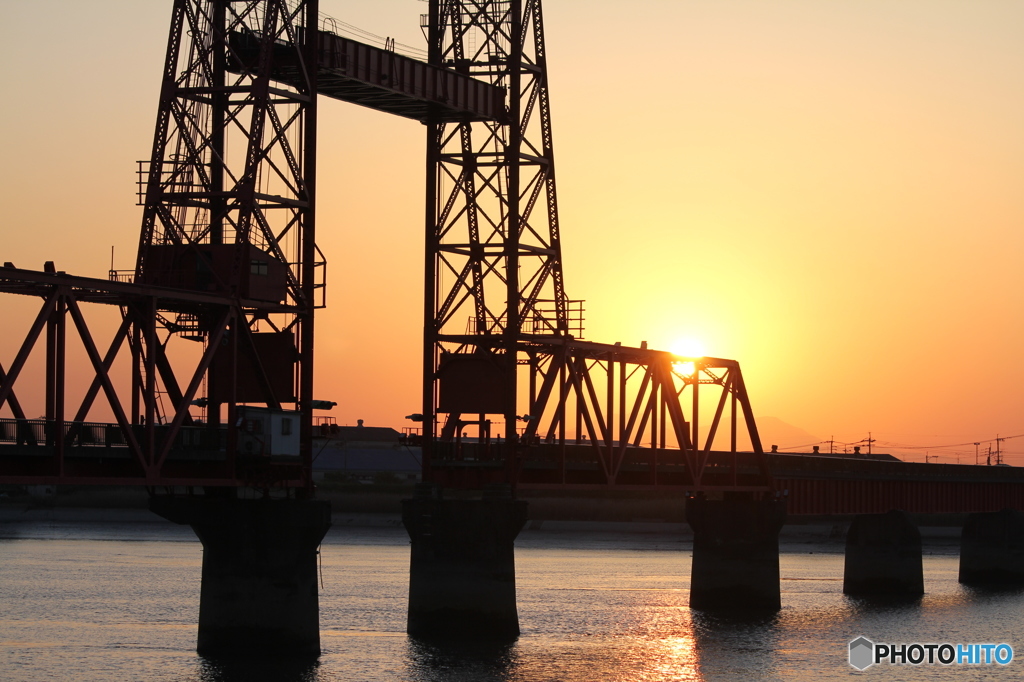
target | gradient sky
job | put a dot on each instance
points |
(829, 192)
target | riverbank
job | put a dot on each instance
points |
(20, 521)
(380, 506)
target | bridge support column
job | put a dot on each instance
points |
(992, 549)
(259, 591)
(735, 553)
(883, 557)
(462, 576)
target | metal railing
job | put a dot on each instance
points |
(541, 320)
(43, 433)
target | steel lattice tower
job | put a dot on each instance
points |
(229, 204)
(493, 254)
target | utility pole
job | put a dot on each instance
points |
(976, 462)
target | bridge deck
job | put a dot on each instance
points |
(813, 484)
(96, 453)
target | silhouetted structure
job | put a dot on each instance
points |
(883, 557)
(227, 259)
(512, 395)
(502, 339)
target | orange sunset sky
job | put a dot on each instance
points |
(831, 193)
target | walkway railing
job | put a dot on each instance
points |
(43, 433)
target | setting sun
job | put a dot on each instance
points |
(688, 348)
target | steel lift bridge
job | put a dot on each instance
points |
(217, 319)
(209, 372)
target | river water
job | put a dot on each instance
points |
(119, 601)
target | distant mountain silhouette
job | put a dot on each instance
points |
(774, 431)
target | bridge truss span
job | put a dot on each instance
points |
(600, 415)
(154, 439)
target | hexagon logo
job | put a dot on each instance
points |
(862, 653)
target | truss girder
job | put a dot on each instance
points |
(627, 405)
(655, 386)
(149, 414)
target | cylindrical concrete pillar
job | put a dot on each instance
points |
(462, 577)
(259, 592)
(992, 549)
(735, 553)
(883, 557)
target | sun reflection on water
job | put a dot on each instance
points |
(673, 658)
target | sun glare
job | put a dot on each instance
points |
(688, 348)
(684, 368)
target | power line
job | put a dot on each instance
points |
(997, 441)
(805, 445)
(950, 445)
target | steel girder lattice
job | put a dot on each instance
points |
(229, 198)
(231, 159)
(493, 261)
(624, 408)
(146, 445)
(496, 249)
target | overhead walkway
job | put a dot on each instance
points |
(382, 79)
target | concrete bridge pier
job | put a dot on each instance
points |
(883, 557)
(462, 576)
(735, 553)
(992, 549)
(259, 592)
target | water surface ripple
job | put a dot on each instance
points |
(119, 601)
